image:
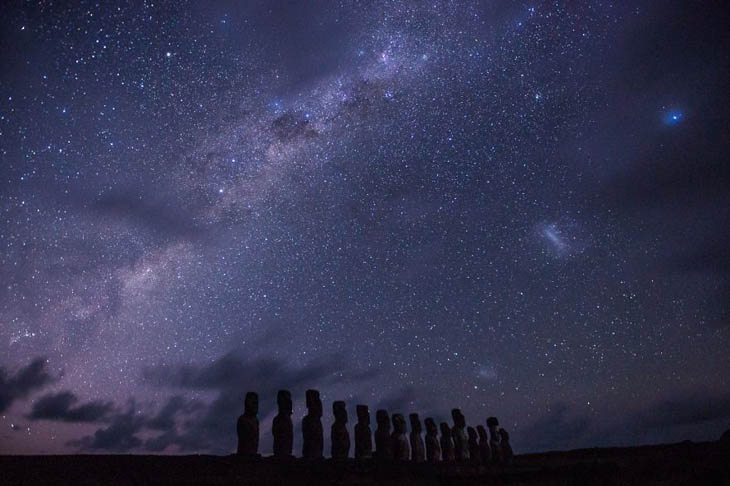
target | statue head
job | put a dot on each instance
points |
(399, 423)
(314, 404)
(482, 433)
(430, 426)
(251, 404)
(492, 424)
(415, 423)
(340, 412)
(472, 433)
(445, 430)
(383, 419)
(283, 400)
(503, 435)
(459, 419)
(363, 414)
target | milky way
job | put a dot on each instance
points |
(517, 209)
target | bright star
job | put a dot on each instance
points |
(673, 117)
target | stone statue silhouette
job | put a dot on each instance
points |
(312, 432)
(247, 427)
(433, 448)
(485, 452)
(363, 435)
(507, 452)
(383, 444)
(399, 438)
(283, 428)
(492, 425)
(461, 445)
(474, 453)
(340, 435)
(447, 443)
(418, 450)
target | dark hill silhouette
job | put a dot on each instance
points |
(666, 464)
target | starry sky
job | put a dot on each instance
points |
(516, 208)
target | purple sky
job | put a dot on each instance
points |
(519, 209)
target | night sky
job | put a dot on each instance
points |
(516, 208)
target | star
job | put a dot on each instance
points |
(673, 117)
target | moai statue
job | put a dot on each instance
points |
(399, 438)
(283, 428)
(461, 444)
(447, 443)
(507, 452)
(474, 453)
(340, 435)
(418, 450)
(485, 452)
(363, 435)
(312, 432)
(383, 444)
(433, 448)
(248, 427)
(492, 425)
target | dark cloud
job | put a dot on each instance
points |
(666, 185)
(708, 259)
(26, 380)
(231, 376)
(703, 413)
(399, 402)
(675, 195)
(60, 407)
(233, 371)
(671, 177)
(652, 57)
(712, 257)
(162, 441)
(195, 426)
(688, 409)
(122, 433)
(119, 436)
(165, 418)
(558, 428)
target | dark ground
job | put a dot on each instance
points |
(670, 464)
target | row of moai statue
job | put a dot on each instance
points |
(458, 443)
